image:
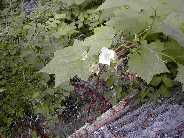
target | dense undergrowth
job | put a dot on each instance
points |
(50, 67)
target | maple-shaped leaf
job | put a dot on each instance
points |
(133, 23)
(102, 38)
(180, 75)
(77, 59)
(127, 16)
(147, 61)
(132, 16)
(67, 63)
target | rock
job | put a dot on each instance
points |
(30, 6)
(148, 121)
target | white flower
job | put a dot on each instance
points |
(106, 56)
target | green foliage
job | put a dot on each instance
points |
(172, 26)
(173, 52)
(64, 30)
(163, 78)
(180, 75)
(72, 2)
(156, 80)
(63, 38)
(28, 43)
(102, 38)
(147, 62)
(77, 59)
(67, 63)
(132, 16)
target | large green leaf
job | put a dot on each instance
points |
(161, 6)
(180, 75)
(147, 61)
(102, 38)
(133, 23)
(134, 16)
(76, 59)
(67, 63)
(128, 16)
(173, 26)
